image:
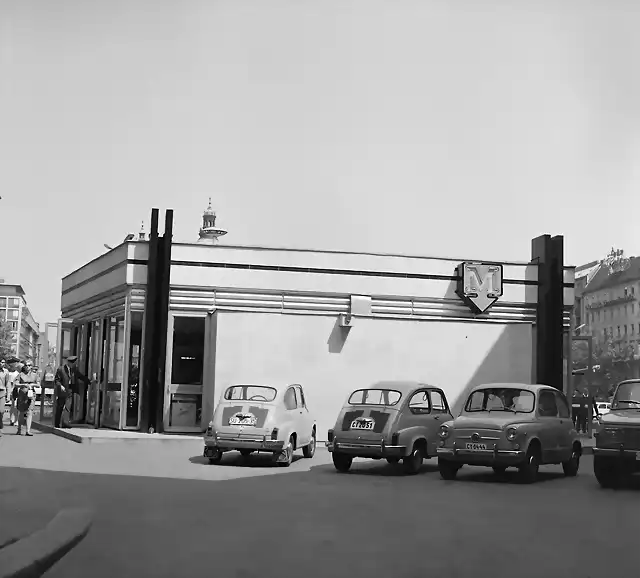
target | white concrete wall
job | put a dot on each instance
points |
(330, 362)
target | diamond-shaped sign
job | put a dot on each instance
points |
(479, 284)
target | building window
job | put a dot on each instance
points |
(13, 313)
(625, 329)
(626, 290)
(633, 329)
(3, 302)
(15, 303)
(619, 331)
(633, 290)
(633, 308)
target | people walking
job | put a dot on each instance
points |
(65, 384)
(14, 367)
(25, 397)
(4, 390)
(575, 408)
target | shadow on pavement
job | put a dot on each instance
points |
(234, 459)
(487, 476)
(374, 468)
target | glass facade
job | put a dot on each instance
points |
(95, 370)
(115, 374)
(135, 360)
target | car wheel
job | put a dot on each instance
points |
(310, 450)
(216, 458)
(499, 470)
(571, 467)
(289, 454)
(342, 462)
(413, 462)
(393, 461)
(246, 453)
(448, 470)
(606, 472)
(529, 469)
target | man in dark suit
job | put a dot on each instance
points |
(65, 384)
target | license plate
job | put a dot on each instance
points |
(242, 421)
(476, 447)
(362, 425)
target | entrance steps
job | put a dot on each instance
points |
(82, 433)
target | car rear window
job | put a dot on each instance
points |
(375, 397)
(501, 399)
(250, 393)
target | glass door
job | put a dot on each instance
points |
(63, 345)
(112, 397)
(131, 418)
(95, 369)
(79, 398)
(185, 372)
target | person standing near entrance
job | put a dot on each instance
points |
(25, 396)
(4, 389)
(65, 384)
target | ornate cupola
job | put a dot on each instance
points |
(209, 233)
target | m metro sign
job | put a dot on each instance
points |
(479, 284)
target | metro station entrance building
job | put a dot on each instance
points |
(162, 328)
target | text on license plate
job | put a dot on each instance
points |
(476, 447)
(362, 425)
(242, 421)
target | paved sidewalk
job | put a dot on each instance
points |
(181, 460)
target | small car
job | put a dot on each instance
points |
(394, 420)
(505, 425)
(261, 418)
(616, 455)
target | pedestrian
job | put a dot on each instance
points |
(575, 408)
(65, 384)
(25, 397)
(4, 390)
(14, 370)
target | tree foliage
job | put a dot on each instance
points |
(7, 348)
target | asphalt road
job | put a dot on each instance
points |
(316, 522)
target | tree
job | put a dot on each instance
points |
(7, 347)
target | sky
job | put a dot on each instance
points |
(438, 128)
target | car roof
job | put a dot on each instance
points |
(533, 387)
(403, 386)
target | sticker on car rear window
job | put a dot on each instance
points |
(242, 419)
(365, 423)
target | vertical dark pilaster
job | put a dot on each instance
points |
(548, 253)
(162, 314)
(149, 375)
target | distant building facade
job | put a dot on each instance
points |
(607, 301)
(25, 329)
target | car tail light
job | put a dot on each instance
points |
(274, 433)
(330, 435)
(394, 439)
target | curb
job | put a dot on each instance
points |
(32, 556)
(57, 431)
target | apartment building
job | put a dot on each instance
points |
(608, 303)
(25, 329)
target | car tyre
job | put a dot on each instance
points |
(289, 451)
(413, 462)
(571, 467)
(246, 453)
(393, 461)
(310, 450)
(341, 462)
(606, 472)
(529, 469)
(448, 470)
(216, 459)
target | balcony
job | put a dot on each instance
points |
(611, 303)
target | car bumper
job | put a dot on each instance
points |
(367, 450)
(482, 457)
(617, 453)
(257, 445)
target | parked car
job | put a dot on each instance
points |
(261, 418)
(394, 420)
(616, 455)
(504, 425)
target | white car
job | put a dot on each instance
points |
(261, 418)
